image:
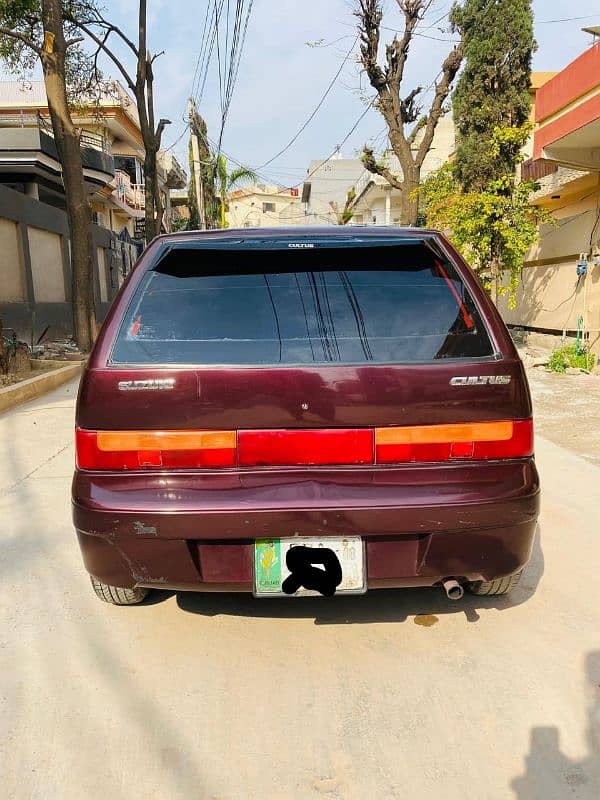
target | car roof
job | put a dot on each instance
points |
(330, 231)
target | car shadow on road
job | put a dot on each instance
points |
(424, 605)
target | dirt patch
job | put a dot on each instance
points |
(567, 410)
(25, 371)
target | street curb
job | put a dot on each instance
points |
(35, 387)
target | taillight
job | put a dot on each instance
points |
(118, 450)
(468, 441)
(303, 447)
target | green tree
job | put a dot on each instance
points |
(226, 182)
(35, 31)
(493, 89)
(493, 229)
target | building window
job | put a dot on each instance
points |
(268, 207)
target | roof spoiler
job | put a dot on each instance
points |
(177, 250)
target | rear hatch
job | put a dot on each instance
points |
(302, 350)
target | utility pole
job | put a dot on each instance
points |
(197, 127)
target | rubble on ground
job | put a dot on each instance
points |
(57, 350)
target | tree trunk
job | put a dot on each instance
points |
(409, 203)
(158, 203)
(67, 143)
(495, 273)
(149, 184)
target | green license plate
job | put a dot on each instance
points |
(270, 569)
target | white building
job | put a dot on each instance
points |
(262, 206)
(328, 182)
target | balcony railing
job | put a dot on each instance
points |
(131, 193)
(534, 169)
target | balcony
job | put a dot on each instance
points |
(30, 152)
(534, 169)
(568, 114)
(175, 175)
(130, 196)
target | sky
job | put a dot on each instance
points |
(293, 49)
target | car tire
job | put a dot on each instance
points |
(117, 595)
(495, 587)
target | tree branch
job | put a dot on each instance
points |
(421, 123)
(162, 124)
(370, 19)
(21, 38)
(409, 110)
(450, 67)
(372, 165)
(101, 22)
(397, 52)
(102, 44)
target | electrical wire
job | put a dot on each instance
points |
(179, 138)
(314, 111)
(238, 38)
(566, 300)
(565, 19)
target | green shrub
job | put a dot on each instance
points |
(568, 356)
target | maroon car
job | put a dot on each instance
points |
(287, 412)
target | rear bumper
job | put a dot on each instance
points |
(196, 531)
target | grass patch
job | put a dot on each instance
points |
(565, 357)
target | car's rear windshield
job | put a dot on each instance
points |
(349, 306)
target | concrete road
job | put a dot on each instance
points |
(392, 695)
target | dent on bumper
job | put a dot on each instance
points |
(146, 559)
(420, 525)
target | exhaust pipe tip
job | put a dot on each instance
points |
(453, 589)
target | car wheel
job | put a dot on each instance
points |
(117, 595)
(495, 587)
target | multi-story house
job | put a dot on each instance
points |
(35, 269)
(560, 288)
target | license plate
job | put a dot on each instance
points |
(270, 568)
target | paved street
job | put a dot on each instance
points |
(392, 695)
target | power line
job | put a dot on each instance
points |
(319, 165)
(238, 38)
(315, 110)
(565, 19)
(179, 138)
(201, 51)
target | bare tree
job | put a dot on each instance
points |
(89, 18)
(32, 30)
(403, 115)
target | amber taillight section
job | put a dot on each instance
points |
(470, 440)
(126, 450)
(118, 450)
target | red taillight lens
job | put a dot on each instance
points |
(302, 447)
(155, 449)
(122, 450)
(472, 441)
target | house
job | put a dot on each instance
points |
(264, 206)
(560, 289)
(326, 187)
(112, 151)
(35, 272)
